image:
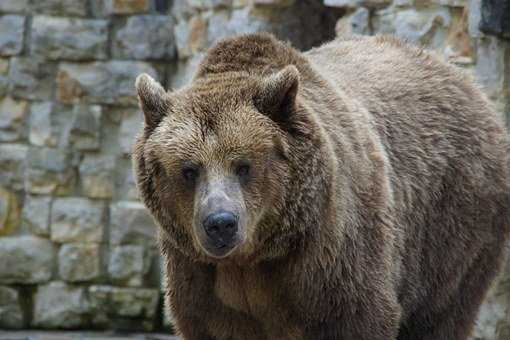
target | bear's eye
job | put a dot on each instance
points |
(243, 170)
(190, 173)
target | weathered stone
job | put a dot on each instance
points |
(458, 47)
(85, 129)
(31, 78)
(450, 3)
(128, 188)
(278, 3)
(97, 175)
(4, 79)
(191, 36)
(356, 23)
(475, 16)
(11, 39)
(44, 130)
(492, 57)
(77, 220)
(130, 223)
(13, 6)
(128, 264)
(123, 302)
(71, 39)
(383, 21)
(356, 3)
(208, 4)
(131, 124)
(145, 37)
(11, 315)
(100, 82)
(115, 7)
(36, 214)
(57, 305)
(49, 171)
(12, 165)
(79, 262)
(183, 71)
(427, 26)
(9, 212)
(12, 119)
(60, 7)
(25, 259)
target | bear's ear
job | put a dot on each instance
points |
(277, 94)
(152, 98)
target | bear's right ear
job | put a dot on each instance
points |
(152, 98)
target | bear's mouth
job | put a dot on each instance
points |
(219, 249)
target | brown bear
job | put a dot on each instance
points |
(360, 190)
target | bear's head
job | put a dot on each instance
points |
(212, 163)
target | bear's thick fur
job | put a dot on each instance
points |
(376, 202)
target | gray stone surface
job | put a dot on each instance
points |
(49, 171)
(130, 223)
(44, 128)
(77, 220)
(60, 7)
(423, 26)
(128, 264)
(58, 305)
(130, 126)
(69, 39)
(97, 174)
(100, 82)
(85, 129)
(356, 23)
(12, 119)
(79, 262)
(145, 37)
(36, 214)
(9, 212)
(11, 39)
(25, 260)
(31, 78)
(116, 7)
(11, 315)
(13, 165)
(13, 6)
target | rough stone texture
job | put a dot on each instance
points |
(11, 39)
(57, 305)
(145, 37)
(115, 7)
(77, 220)
(9, 212)
(60, 7)
(31, 78)
(79, 262)
(355, 23)
(97, 174)
(131, 224)
(36, 214)
(128, 264)
(12, 119)
(100, 83)
(85, 129)
(496, 17)
(13, 6)
(44, 128)
(49, 171)
(71, 39)
(131, 124)
(25, 260)
(13, 165)
(11, 315)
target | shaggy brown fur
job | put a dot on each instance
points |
(377, 203)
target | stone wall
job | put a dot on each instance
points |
(77, 248)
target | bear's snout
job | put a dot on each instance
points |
(221, 228)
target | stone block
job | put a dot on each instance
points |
(79, 262)
(36, 214)
(11, 315)
(9, 212)
(13, 165)
(145, 37)
(58, 305)
(128, 264)
(13, 6)
(109, 82)
(78, 8)
(356, 23)
(191, 36)
(31, 78)
(85, 128)
(11, 39)
(49, 171)
(427, 27)
(25, 260)
(357, 3)
(69, 39)
(77, 220)
(121, 7)
(131, 223)
(12, 119)
(44, 128)
(131, 125)
(97, 175)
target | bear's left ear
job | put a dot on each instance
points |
(152, 98)
(277, 94)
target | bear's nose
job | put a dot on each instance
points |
(221, 227)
